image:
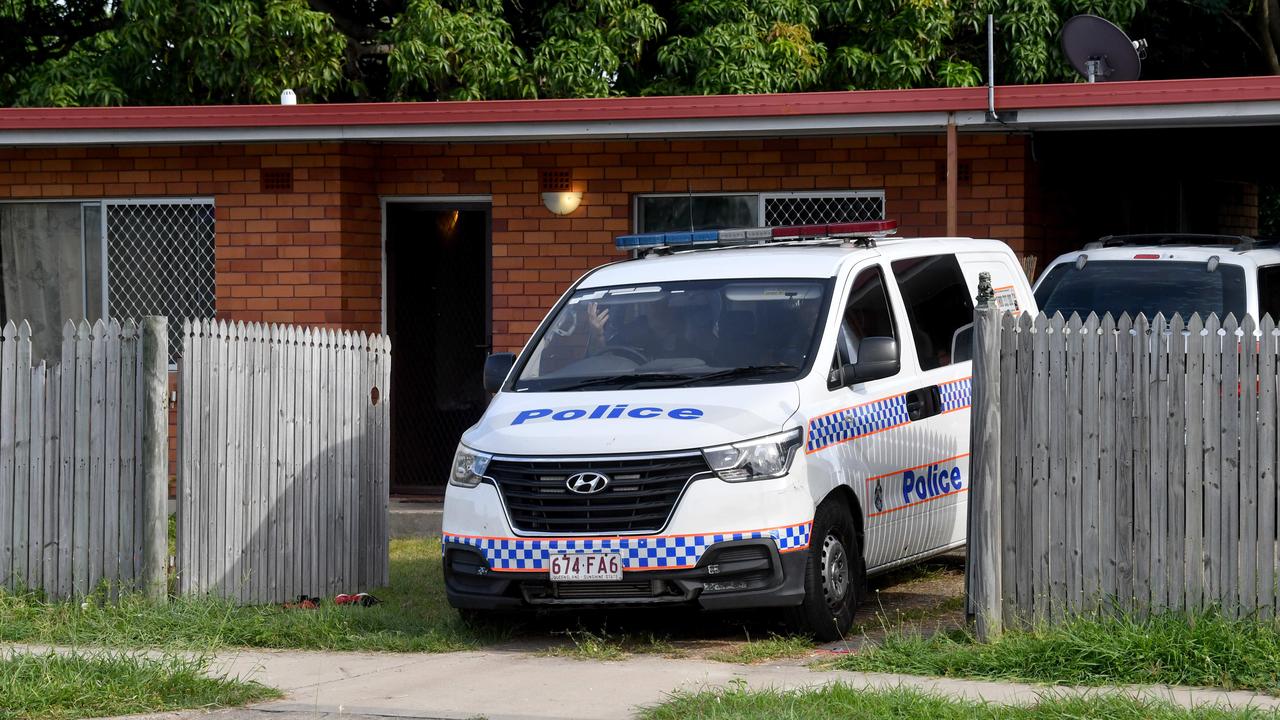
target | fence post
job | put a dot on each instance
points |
(155, 458)
(983, 576)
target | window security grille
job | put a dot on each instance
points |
(819, 208)
(160, 261)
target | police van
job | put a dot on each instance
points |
(732, 419)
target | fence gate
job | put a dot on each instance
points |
(81, 504)
(1123, 464)
(283, 461)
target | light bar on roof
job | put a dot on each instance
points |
(755, 235)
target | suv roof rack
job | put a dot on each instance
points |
(1238, 242)
(826, 234)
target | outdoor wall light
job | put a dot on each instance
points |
(562, 203)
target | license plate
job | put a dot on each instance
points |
(570, 567)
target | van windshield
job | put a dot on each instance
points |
(1142, 286)
(676, 334)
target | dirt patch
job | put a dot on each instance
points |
(925, 597)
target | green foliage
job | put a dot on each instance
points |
(1209, 650)
(738, 46)
(843, 702)
(80, 52)
(1269, 210)
(64, 687)
(211, 51)
(455, 51)
(587, 43)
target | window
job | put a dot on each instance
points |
(938, 306)
(1143, 286)
(63, 261)
(866, 314)
(701, 211)
(1269, 291)
(678, 334)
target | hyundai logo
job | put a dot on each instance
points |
(587, 483)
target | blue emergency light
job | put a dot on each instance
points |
(741, 236)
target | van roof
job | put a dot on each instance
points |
(807, 259)
(1254, 256)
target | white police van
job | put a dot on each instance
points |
(745, 425)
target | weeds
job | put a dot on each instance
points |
(588, 645)
(1209, 650)
(843, 702)
(63, 687)
(413, 617)
(773, 647)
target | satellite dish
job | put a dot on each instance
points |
(1100, 51)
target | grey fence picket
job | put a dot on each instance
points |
(282, 459)
(1138, 465)
(1174, 550)
(1247, 504)
(1267, 477)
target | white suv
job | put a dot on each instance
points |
(1170, 273)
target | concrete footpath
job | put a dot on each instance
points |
(518, 685)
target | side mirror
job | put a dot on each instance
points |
(877, 358)
(496, 368)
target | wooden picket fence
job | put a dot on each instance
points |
(73, 491)
(1125, 465)
(283, 476)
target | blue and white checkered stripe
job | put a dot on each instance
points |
(856, 421)
(638, 553)
(957, 394)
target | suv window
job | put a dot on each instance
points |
(866, 314)
(1269, 291)
(937, 303)
(1142, 286)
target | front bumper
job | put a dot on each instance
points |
(728, 575)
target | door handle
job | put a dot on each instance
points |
(923, 403)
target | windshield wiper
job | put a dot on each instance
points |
(625, 379)
(733, 374)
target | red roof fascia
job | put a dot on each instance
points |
(1149, 92)
(1015, 97)
(492, 111)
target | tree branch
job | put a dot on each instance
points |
(1268, 17)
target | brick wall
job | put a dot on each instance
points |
(536, 255)
(313, 254)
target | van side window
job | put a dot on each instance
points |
(937, 303)
(866, 314)
(1269, 292)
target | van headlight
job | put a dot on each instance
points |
(759, 459)
(468, 467)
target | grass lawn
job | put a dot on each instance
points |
(1209, 650)
(64, 687)
(413, 616)
(840, 702)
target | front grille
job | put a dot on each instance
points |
(639, 497)
(603, 590)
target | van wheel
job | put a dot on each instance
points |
(834, 576)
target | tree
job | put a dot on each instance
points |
(80, 52)
(211, 51)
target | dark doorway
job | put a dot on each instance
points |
(438, 320)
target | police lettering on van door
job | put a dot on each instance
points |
(917, 485)
(605, 412)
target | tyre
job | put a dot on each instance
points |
(834, 575)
